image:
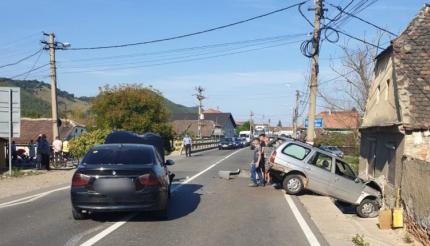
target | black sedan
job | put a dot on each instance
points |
(226, 143)
(121, 177)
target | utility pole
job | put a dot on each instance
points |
(200, 98)
(296, 114)
(53, 45)
(314, 71)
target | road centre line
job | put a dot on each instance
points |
(313, 241)
(124, 220)
(31, 198)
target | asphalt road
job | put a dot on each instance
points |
(204, 210)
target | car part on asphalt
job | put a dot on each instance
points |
(227, 174)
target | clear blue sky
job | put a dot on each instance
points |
(263, 80)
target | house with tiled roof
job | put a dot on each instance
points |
(395, 131)
(339, 121)
(190, 127)
(224, 123)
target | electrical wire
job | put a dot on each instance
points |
(189, 34)
(22, 59)
(363, 20)
(179, 61)
(29, 71)
(34, 64)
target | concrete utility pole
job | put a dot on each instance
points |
(314, 72)
(296, 114)
(51, 45)
(200, 98)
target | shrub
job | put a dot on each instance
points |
(81, 144)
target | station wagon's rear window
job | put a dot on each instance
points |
(296, 151)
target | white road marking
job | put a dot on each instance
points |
(124, 220)
(31, 198)
(313, 241)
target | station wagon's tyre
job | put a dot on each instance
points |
(368, 208)
(78, 215)
(293, 184)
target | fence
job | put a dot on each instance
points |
(199, 144)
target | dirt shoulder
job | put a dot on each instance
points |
(25, 184)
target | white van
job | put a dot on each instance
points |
(246, 135)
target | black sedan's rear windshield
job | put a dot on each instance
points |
(125, 156)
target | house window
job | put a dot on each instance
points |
(378, 92)
(387, 89)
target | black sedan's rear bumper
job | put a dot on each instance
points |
(153, 200)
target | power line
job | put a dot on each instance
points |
(34, 64)
(363, 20)
(181, 61)
(29, 71)
(184, 56)
(22, 59)
(358, 39)
(189, 34)
(202, 47)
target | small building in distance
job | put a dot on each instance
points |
(221, 124)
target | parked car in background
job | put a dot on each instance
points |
(333, 149)
(238, 143)
(121, 177)
(244, 141)
(226, 143)
(299, 166)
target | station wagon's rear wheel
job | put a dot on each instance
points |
(293, 184)
(368, 208)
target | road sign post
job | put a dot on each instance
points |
(10, 117)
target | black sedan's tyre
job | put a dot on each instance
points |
(293, 184)
(78, 215)
(162, 214)
(368, 208)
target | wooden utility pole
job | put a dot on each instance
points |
(200, 98)
(314, 72)
(51, 45)
(296, 114)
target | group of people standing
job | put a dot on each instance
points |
(40, 151)
(259, 166)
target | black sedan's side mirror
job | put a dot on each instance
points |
(169, 162)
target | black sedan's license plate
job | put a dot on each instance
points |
(114, 185)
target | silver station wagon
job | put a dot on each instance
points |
(299, 166)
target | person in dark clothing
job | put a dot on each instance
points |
(45, 150)
(262, 164)
(255, 166)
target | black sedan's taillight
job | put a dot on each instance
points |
(80, 179)
(149, 179)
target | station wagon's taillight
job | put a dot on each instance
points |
(149, 179)
(272, 157)
(80, 179)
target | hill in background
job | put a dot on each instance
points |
(36, 101)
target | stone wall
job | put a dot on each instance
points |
(415, 195)
(417, 145)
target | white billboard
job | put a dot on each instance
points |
(5, 108)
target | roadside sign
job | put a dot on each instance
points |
(5, 112)
(318, 123)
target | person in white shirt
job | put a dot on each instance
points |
(187, 142)
(58, 147)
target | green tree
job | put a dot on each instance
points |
(279, 123)
(81, 144)
(133, 108)
(243, 127)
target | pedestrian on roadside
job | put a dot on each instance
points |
(263, 146)
(38, 152)
(66, 150)
(13, 151)
(255, 162)
(58, 148)
(31, 150)
(187, 142)
(45, 150)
